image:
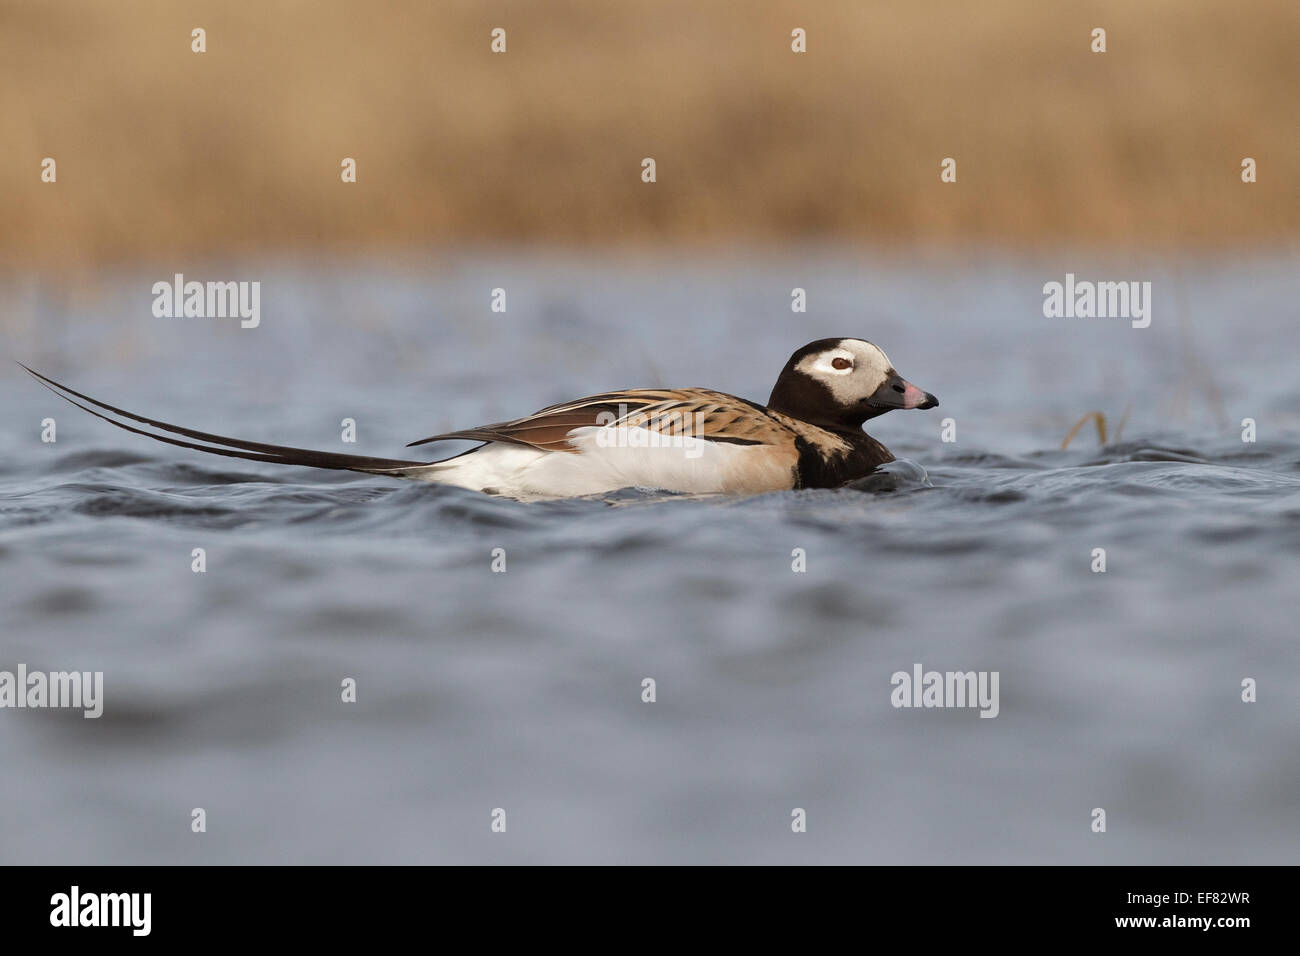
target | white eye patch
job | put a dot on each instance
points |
(825, 362)
(872, 363)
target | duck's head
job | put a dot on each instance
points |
(843, 382)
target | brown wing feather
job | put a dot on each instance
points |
(697, 412)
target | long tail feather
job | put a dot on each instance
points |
(235, 447)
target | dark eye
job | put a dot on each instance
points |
(840, 363)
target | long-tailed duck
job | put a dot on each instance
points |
(695, 440)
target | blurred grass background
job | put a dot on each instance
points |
(235, 151)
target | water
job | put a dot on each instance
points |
(522, 690)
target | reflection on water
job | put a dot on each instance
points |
(522, 690)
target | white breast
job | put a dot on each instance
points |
(609, 459)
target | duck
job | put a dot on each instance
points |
(685, 440)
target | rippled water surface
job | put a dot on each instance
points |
(522, 690)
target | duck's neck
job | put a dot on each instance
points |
(799, 396)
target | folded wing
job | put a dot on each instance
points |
(691, 412)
